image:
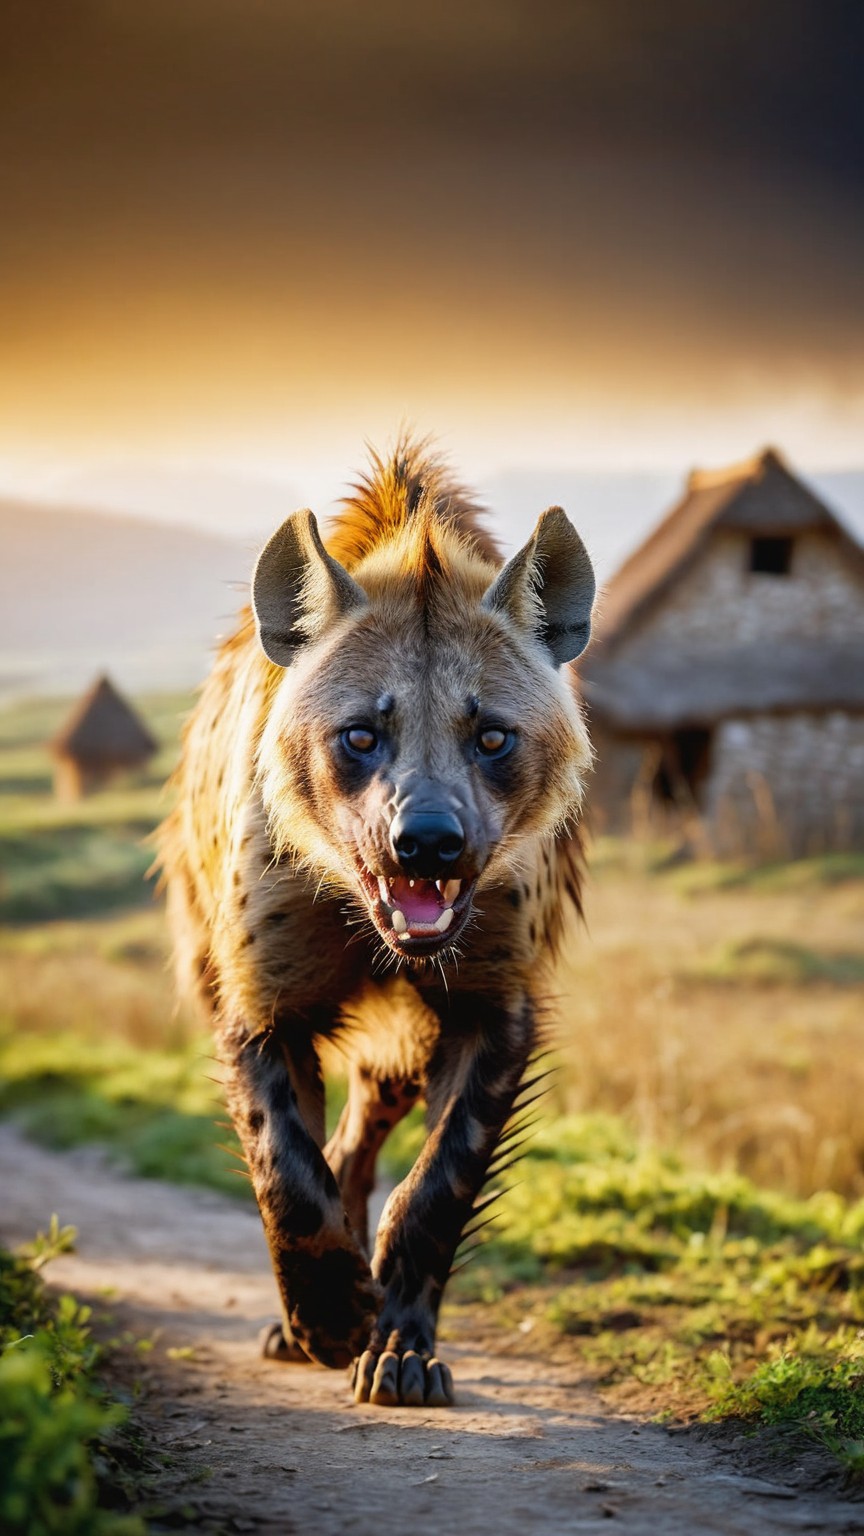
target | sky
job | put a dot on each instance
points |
(241, 237)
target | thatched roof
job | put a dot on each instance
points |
(104, 729)
(670, 690)
(760, 495)
(640, 687)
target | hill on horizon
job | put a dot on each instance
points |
(83, 592)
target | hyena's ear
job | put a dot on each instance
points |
(298, 590)
(548, 587)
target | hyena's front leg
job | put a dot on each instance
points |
(473, 1083)
(329, 1298)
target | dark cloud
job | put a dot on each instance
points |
(780, 78)
(637, 187)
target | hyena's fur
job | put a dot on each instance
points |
(275, 935)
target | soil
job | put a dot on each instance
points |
(236, 1443)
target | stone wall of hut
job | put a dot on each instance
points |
(779, 786)
(787, 785)
(717, 601)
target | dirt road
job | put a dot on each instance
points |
(267, 1448)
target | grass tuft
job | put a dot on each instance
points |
(54, 1418)
(816, 1389)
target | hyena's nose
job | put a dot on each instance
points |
(425, 842)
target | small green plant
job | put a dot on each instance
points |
(52, 1413)
(816, 1387)
(47, 1245)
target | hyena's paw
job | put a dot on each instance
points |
(332, 1302)
(277, 1344)
(407, 1378)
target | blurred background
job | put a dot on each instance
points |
(588, 246)
(591, 247)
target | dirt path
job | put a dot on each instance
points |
(259, 1447)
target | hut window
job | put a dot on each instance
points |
(771, 556)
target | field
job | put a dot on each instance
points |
(690, 1212)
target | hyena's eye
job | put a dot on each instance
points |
(359, 740)
(495, 741)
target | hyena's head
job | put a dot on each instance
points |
(421, 730)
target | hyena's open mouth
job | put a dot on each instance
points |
(417, 917)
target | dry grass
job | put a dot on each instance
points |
(107, 980)
(723, 1018)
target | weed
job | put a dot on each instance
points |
(52, 1415)
(816, 1387)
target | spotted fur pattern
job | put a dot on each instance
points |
(273, 926)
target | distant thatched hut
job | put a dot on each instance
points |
(727, 676)
(102, 737)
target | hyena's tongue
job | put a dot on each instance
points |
(419, 900)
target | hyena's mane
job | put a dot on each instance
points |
(410, 486)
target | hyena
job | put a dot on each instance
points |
(374, 843)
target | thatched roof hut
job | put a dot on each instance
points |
(102, 737)
(729, 648)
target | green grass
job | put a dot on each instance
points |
(819, 871)
(698, 1292)
(694, 1286)
(72, 871)
(661, 858)
(54, 1418)
(816, 1389)
(781, 962)
(155, 1110)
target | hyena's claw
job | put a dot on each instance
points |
(385, 1382)
(439, 1388)
(390, 1380)
(274, 1344)
(412, 1383)
(360, 1376)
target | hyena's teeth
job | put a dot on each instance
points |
(399, 922)
(450, 890)
(383, 888)
(445, 919)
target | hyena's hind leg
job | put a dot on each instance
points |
(329, 1299)
(374, 1106)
